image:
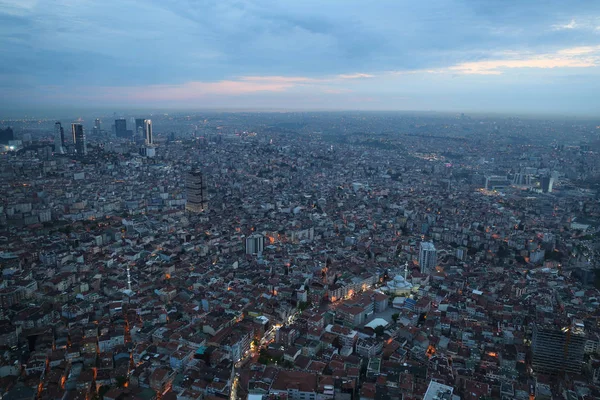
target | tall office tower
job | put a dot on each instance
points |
(196, 192)
(138, 132)
(59, 134)
(148, 132)
(121, 128)
(139, 123)
(62, 138)
(97, 126)
(79, 139)
(558, 349)
(427, 257)
(547, 183)
(255, 244)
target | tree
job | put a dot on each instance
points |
(379, 331)
(395, 317)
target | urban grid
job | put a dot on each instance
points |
(300, 255)
(300, 200)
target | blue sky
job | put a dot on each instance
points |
(447, 55)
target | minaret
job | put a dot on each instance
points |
(128, 279)
(405, 271)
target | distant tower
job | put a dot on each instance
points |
(79, 139)
(196, 192)
(148, 132)
(547, 183)
(427, 257)
(139, 123)
(121, 128)
(59, 135)
(97, 126)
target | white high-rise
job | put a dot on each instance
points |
(427, 257)
(59, 135)
(148, 132)
(255, 244)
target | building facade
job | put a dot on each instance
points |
(148, 138)
(427, 257)
(196, 192)
(79, 139)
(557, 350)
(59, 139)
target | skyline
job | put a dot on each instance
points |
(462, 56)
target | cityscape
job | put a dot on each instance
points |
(300, 200)
(300, 255)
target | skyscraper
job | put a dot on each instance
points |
(558, 349)
(427, 257)
(59, 138)
(97, 126)
(139, 123)
(547, 182)
(79, 139)
(196, 192)
(121, 128)
(148, 132)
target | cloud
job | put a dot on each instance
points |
(355, 76)
(284, 80)
(560, 27)
(106, 51)
(587, 23)
(188, 91)
(337, 91)
(17, 8)
(576, 57)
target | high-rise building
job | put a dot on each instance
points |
(547, 183)
(139, 123)
(138, 132)
(558, 349)
(6, 135)
(59, 135)
(148, 132)
(427, 257)
(255, 244)
(196, 192)
(496, 182)
(79, 139)
(97, 126)
(121, 128)
(148, 151)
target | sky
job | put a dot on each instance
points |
(524, 56)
